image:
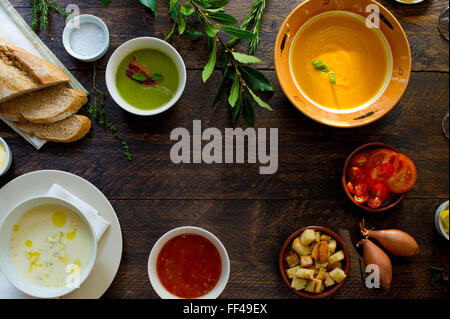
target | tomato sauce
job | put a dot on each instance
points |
(189, 266)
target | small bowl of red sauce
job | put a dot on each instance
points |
(188, 263)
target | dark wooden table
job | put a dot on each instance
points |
(253, 214)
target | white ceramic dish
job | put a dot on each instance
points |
(410, 2)
(143, 43)
(437, 220)
(8, 160)
(6, 260)
(73, 24)
(109, 251)
(159, 288)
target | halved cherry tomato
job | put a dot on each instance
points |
(374, 202)
(351, 187)
(362, 199)
(355, 173)
(360, 160)
(360, 188)
(387, 170)
(376, 160)
(404, 177)
(370, 183)
(380, 190)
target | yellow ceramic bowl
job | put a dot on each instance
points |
(397, 83)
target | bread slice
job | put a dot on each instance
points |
(22, 72)
(68, 130)
(46, 106)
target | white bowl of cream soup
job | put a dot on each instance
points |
(47, 247)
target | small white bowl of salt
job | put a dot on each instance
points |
(86, 38)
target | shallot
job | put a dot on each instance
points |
(374, 255)
(395, 241)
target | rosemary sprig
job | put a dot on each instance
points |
(243, 79)
(252, 23)
(40, 10)
(97, 111)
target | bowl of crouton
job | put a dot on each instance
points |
(314, 262)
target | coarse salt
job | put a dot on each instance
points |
(87, 40)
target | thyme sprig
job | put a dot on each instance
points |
(97, 111)
(252, 23)
(40, 10)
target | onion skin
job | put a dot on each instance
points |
(374, 255)
(395, 241)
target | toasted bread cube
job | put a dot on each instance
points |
(332, 244)
(317, 233)
(304, 273)
(338, 274)
(316, 286)
(321, 274)
(321, 252)
(299, 248)
(298, 284)
(306, 261)
(337, 264)
(292, 259)
(328, 280)
(307, 237)
(309, 286)
(336, 257)
(323, 265)
(325, 237)
(290, 273)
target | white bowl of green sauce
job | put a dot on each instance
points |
(146, 76)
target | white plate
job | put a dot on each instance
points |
(109, 247)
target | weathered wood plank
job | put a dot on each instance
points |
(311, 155)
(127, 20)
(254, 238)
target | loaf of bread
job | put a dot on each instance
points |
(22, 72)
(71, 129)
(46, 106)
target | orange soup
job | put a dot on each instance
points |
(338, 62)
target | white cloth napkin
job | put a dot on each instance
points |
(98, 223)
(11, 32)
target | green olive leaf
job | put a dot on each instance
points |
(192, 34)
(244, 58)
(255, 79)
(236, 110)
(187, 10)
(151, 4)
(211, 30)
(223, 18)
(248, 111)
(209, 68)
(220, 88)
(238, 33)
(234, 92)
(259, 101)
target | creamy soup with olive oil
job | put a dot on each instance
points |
(338, 62)
(46, 240)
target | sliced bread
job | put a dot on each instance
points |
(46, 106)
(68, 130)
(22, 72)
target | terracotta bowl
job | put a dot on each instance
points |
(401, 68)
(397, 198)
(287, 247)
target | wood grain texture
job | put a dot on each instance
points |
(253, 214)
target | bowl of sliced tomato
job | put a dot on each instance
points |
(377, 176)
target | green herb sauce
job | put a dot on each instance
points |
(148, 97)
